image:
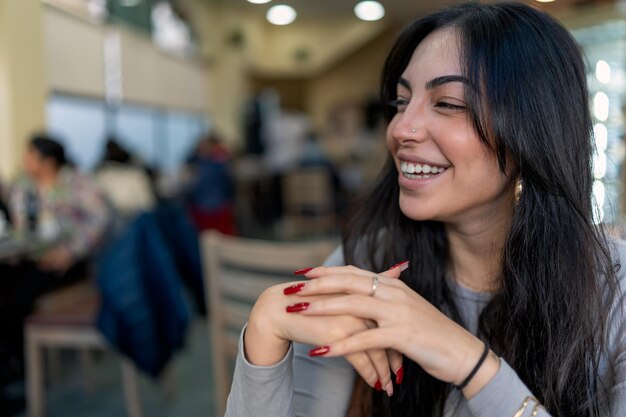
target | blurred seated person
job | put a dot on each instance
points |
(125, 182)
(64, 211)
(209, 192)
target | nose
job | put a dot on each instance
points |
(410, 128)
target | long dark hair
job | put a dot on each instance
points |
(530, 106)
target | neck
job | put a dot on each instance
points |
(476, 250)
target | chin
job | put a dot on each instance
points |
(416, 210)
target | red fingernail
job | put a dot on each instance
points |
(402, 265)
(378, 386)
(293, 289)
(319, 351)
(302, 271)
(399, 375)
(294, 308)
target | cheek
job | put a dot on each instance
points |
(391, 143)
(31, 164)
(28, 162)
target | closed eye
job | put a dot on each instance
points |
(399, 103)
(449, 106)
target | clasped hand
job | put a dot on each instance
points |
(335, 310)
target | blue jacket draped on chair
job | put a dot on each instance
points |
(144, 311)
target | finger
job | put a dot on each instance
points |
(379, 338)
(322, 271)
(364, 307)
(396, 270)
(395, 363)
(381, 363)
(348, 284)
(363, 366)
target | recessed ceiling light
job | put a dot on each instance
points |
(281, 14)
(259, 1)
(369, 11)
(544, 1)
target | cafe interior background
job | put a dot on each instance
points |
(284, 85)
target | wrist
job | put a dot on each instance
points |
(485, 374)
(261, 346)
(483, 371)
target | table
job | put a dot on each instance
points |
(13, 245)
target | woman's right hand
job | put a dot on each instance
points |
(271, 330)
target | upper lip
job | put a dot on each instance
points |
(418, 160)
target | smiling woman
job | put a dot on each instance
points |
(431, 131)
(510, 302)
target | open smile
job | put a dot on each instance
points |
(412, 170)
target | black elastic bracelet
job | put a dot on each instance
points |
(476, 368)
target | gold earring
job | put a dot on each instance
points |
(518, 190)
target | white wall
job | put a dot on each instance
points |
(74, 61)
(164, 104)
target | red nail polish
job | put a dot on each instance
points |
(378, 386)
(400, 265)
(302, 271)
(399, 375)
(319, 351)
(293, 289)
(294, 308)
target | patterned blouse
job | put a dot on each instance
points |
(73, 212)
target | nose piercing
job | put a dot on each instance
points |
(413, 130)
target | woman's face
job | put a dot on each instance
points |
(446, 173)
(33, 162)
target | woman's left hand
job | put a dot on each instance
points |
(406, 322)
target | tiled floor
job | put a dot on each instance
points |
(192, 376)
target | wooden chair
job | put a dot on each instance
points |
(66, 319)
(236, 271)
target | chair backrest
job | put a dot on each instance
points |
(308, 189)
(236, 271)
(309, 203)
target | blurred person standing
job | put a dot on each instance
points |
(55, 205)
(209, 193)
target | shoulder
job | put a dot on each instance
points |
(335, 258)
(22, 181)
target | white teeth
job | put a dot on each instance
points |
(408, 169)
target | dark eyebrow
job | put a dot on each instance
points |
(439, 81)
(404, 82)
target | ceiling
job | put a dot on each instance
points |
(328, 30)
(337, 8)
(398, 10)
